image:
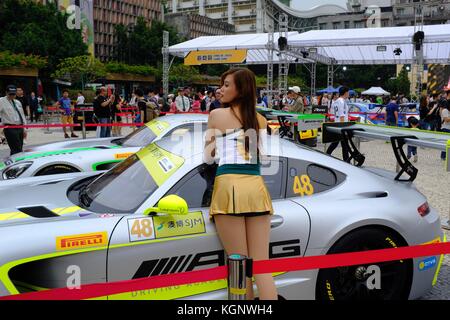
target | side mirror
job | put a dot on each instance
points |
(171, 204)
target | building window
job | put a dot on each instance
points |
(400, 11)
(336, 25)
(346, 24)
(322, 26)
(359, 24)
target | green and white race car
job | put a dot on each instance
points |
(95, 154)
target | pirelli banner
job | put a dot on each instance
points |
(195, 58)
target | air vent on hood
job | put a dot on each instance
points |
(38, 212)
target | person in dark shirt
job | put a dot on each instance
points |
(216, 103)
(34, 104)
(24, 101)
(102, 111)
(392, 110)
(423, 111)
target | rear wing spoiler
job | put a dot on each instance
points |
(345, 131)
(300, 121)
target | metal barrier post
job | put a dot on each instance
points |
(83, 125)
(237, 284)
(46, 122)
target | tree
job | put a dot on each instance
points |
(181, 75)
(80, 70)
(140, 44)
(403, 83)
(32, 28)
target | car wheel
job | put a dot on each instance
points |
(56, 169)
(360, 282)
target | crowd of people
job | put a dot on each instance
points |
(146, 104)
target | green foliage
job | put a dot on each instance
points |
(8, 60)
(117, 67)
(293, 80)
(181, 75)
(401, 84)
(80, 69)
(34, 29)
(141, 44)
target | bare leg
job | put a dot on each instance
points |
(258, 236)
(232, 234)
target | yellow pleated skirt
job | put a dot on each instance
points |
(240, 194)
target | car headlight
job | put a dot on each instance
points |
(16, 170)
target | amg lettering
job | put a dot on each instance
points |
(286, 251)
(288, 248)
(218, 259)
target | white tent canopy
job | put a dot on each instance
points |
(255, 43)
(363, 46)
(347, 46)
(375, 91)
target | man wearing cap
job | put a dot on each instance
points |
(297, 105)
(11, 113)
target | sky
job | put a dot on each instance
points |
(307, 4)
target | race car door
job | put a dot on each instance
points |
(145, 246)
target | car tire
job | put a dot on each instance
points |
(351, 283)
(56, 169)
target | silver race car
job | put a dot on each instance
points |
(93, 154)
(132, 222)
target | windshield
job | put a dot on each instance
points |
(125, 187)
(144, 135)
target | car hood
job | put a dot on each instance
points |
(71, 144)
(30, 156)
(39, 198)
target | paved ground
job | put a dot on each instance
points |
(432, 181)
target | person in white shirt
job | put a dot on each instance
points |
(80, 99)
(340, 107)
(182, 102)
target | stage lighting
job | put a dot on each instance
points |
(418, 39)
(282, 43)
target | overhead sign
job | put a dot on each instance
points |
(215, 57)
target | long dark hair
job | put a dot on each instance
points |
(245, 82)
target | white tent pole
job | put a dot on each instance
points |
(270, 47)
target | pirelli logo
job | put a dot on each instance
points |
(79, 241)
(123, 155)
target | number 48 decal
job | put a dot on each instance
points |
(302, 185)
(141, 229)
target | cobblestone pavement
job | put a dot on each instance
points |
(432, 181)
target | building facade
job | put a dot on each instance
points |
(191, 25)
(388, 13)
(109, 13)
(252, 16)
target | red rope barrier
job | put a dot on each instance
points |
(74, 125)
(268, 266)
